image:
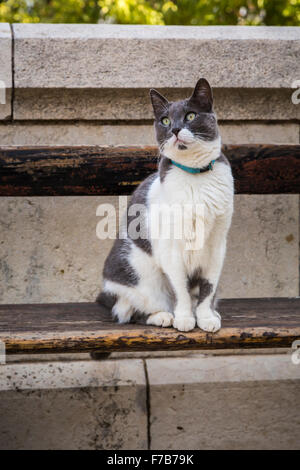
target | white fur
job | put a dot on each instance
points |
(163, 319)
(171, 263)
(199, 153)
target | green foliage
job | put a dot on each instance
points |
(175, 12)
(49, 11)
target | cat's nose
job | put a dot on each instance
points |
(176, 131)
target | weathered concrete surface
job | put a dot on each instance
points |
(134, 104)
(93, 133)
(197, 402)
(255, 132)
(249, 402)
(262, 256)
(73, 374)
(77, 71)
(5, 71)
(88, 56)
(75, 405)
(80, 133)
(49, 251)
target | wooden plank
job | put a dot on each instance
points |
(69, 171)
(82, 327)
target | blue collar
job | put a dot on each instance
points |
(194, 170)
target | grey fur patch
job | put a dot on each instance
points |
(117, 267)
(165, 165)
(223, 159)
(106, 299)
(140, 197)
(205, 287)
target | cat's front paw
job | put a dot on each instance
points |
(210, 322)
(163, 319)
(184, 323)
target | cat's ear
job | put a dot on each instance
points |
(159, 102)
(202, 95)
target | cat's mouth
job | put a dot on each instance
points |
(180, 141)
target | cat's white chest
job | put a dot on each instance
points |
(212, 190)
(206, 196)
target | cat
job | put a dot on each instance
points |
(160, 278)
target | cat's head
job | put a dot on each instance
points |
(186, 128)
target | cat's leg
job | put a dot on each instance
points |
(208, 319)
(174, 269)
(152, 296)
(184, 319)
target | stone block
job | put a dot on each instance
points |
(90, 405)
(78, 72)
(88, 56)
(255, 132)
(134, 104)
(49, 249)
(78, 133)
(262, 257)
(96, 133)
(240, 402)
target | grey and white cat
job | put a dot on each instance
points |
(158, 277)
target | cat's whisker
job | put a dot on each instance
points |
(203, 136)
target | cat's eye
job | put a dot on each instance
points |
(190, 116)
(166, 121)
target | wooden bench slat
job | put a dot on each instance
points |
(83, 327)
(83, 171)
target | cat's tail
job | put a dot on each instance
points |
(116, 307)
(106, 299)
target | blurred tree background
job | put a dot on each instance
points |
(175, 12)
